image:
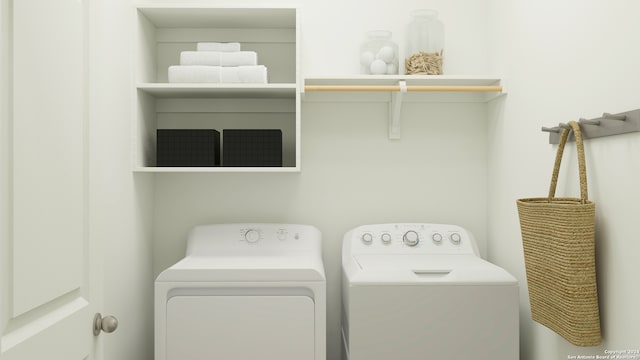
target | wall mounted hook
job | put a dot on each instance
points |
(564, 126)
(627, 122)
(614, 117)
(589, 122)
(554, 129)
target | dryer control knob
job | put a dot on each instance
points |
(437, 238)
(386, 238)
(367, 238)
(252, 236)
(411, 238)
(455, 238)
(282, 234)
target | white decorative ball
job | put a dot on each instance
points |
(386, 54)
(378, 67)
(366, 58)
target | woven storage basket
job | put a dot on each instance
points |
(559, 253)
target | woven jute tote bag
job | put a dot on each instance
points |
(558, 236)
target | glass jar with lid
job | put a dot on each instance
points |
(379, 54)
(425, 43)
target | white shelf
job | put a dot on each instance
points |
(164, 30)
(230, 17)
(216, 169)
(457, 80)
(239, 91)
(375, 88)
(397, 89)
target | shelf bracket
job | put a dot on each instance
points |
(395, 110)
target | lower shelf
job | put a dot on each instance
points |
(153, 169)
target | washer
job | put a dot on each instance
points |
(245, 292)
(421, 291)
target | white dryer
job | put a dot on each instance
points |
(421, 291)
(244, 292)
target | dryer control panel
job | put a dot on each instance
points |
(410, 238)
(250, 239)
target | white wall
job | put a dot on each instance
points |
(334, 30)
(352, 174)
(561, 61)
(121, 202)
(5, 161)
(566, 60)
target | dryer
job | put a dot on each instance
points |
(245, 292)
(421, 291)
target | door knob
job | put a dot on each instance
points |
(107, 324)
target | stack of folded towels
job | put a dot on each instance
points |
(218, 63)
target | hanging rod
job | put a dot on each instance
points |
(606, 125)
(444, 88)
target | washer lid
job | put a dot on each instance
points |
(425, 269)
(245, 268)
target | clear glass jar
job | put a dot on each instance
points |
(379, 54)
(425, 43)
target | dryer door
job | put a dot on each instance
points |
(240, 327)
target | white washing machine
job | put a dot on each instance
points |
(421, 291)
(244, 292)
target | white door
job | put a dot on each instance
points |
(48, 281)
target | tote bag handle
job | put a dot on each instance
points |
(582, 167)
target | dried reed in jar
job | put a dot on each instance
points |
(424, 63)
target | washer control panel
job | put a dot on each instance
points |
(411, 238)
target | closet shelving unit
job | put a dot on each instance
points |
(163, 31)
(398, 89)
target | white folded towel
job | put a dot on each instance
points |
(217, 46)
(217, 58)
(217, 74)
(244, 74)
(194, 74)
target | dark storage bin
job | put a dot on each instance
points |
(187, 147)
(252, 147)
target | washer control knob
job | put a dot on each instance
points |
(411, 238)
(252, 235)
(455, 238)
(386, 238)
(437, 238)
(367, 238)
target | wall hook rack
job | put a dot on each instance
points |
(606, 125)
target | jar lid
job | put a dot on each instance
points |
(379, 34)
(424, 13)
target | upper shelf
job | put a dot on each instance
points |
(404, 88)
(181, 90)
(457, 80)
(439, 88)
(180, 15)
